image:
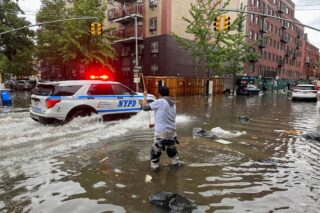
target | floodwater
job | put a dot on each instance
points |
(260, 165)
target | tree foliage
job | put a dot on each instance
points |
(70, 40)
(223, 52)
(15, 55)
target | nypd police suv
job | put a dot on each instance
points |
(60, 102)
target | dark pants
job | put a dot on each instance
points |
(160, 145)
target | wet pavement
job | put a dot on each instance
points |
(91, 166)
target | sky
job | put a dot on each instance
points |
(307, 12)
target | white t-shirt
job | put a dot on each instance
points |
(164, 116)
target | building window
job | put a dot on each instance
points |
(251, 17)
(140, 49)
(250, 34)
(154, 69)
(125, 51)
(258, 3)
(252, 2)
(153, 3)
(153, 24)
(251, 67)
(154, 47)
(257, 20)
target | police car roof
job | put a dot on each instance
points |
(79, 82)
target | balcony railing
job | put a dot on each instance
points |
(126, 33)
(128, 10)
(281, 8)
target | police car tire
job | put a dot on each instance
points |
(79, 113)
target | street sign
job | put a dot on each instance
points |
(136, 77)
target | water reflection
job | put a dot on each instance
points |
(270, 168)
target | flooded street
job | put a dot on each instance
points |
(93, 166)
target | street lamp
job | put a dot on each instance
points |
(136, 69)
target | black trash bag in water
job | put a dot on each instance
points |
(172, 201)
(312, 136)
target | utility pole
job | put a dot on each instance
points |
(270, 16)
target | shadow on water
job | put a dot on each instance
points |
(89, 166)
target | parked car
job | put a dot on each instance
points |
(305, 92)
(60, 102)
(249, 89)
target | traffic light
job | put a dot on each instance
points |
(216, 24)
(226, 23)
(99, 28)
(93, 31)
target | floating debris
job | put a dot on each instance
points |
(243, 118)
(203, 133)
(148, 179)
(290, 132)
(223, 141)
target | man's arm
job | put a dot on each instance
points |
(145, 106)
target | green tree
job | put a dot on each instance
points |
(220, 52)
(70, 41)
(15, 47)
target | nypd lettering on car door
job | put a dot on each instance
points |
(127, 103)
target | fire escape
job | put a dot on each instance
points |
(129, 17)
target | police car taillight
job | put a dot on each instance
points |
(51, 102)
(102, 77)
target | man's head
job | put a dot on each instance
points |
(163, 91)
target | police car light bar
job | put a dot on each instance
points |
(103, 77)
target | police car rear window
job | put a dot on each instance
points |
(44, 90)
(55, 90)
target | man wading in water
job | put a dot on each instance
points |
(165, 136)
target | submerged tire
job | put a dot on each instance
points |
(84, 112)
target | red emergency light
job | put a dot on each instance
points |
(101, 77)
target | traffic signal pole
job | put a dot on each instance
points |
(50, 22)
(270, 16)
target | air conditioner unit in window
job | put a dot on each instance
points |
(139, 1)
(140, 23)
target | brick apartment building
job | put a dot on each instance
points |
(280, 44)
(311, 56)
